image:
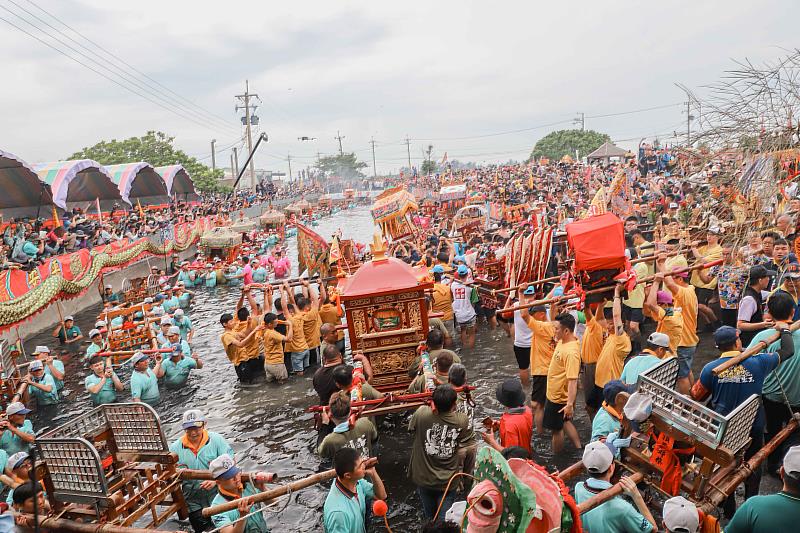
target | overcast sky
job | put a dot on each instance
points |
(455, 74)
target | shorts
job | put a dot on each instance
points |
(685, 357)
(704, 295)
(276, 372)
(300, 360)
(553, 418)
(250, 370)
(523, 356)
(632, 314)
(485, 312)
(539, 389)
(466, 325)
(587, 383)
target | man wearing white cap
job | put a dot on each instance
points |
(774, 512)
(184, 324)
(19, 465)
(185, 275)
(184, 296)
(656, 351)
(52, 366)
(109, 296)
(144, 381)
(180, 362)
(98, 344)
(208, 276)
(172, 302)
(166, 323)
(196, 449)
(41, 386)
(229, 483)
(17, 430)
(68, 334)
(615, 514)
(681, 516)
(103, 383)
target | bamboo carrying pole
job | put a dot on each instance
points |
(646, 279)
(205, 475)
(294, 282)
(61, 524)
(603, 497)
(756, 349)
(131, 352)
(280, 491)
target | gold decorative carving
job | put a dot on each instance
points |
(391, 361)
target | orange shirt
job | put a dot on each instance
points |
(686, 300)
(592, 341)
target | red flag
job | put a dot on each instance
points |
(312, 251)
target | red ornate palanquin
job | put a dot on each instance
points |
(386, 317)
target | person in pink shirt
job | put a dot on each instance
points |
(280, 264)
(248, 270)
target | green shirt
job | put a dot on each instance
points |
(766, 514)
(176, 373)
(13, 444)
(254, 524)
(42, 397)
(91, 350)
(197, 498)
(72, 332)
(437, 439)
(144, 385)
(106, 394)
(786, 375)
(360, 436)
(637, 365)
(60, 367)
(615, 515)
(344, 511)
(603, 424)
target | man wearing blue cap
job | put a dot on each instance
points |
(733, 386)
(229, 484)
(196, 449)
(144, 380)
(463, 309)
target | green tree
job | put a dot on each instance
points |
(557, 144)
(429, 166)
(155, 148)
(344, 165)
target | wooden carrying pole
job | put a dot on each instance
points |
(755, 349)
(603, 497)
(62, 524)
(646, 279)
(294, 282)
(280, 491)
(205, 475)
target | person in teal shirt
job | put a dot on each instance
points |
(144, 381)
(180, 319)
(195, 449)
(234, 275)
(229, 484)
(52, 366)
(186, 276)
(103, 383)
(184, 297)
(615, 514)
(33, 246)
(17, 429)
(345, 506)
(68, 334)
(609, 416)
(41, 386)
(172, 302)
(97, 345)
(180, 362)
(209, 276)
(260, 274)
(657, 350)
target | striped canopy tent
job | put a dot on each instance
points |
(139, 183)
(79, 183)
(178, 182)
(24, 194)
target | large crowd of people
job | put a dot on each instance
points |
(679, 213)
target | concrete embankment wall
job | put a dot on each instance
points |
(49, 317)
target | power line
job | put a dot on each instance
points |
(208, 113)
(636, 111)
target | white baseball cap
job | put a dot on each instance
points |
(639, 407)
(165, 320)
(659, 339)
(174, 330)
(100, 324)
(178, 312)
(597, 457)
(69, 317)
(93, 333)
(16, 460)
(680, 515)
(17, 408)
(223, 467)
(41, 349)
(791, 462)
(193, 418)
(137, 357)
(36, 365)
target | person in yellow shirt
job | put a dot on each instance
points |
(562, 384)
(234, 342)
(643, 247)
(659, 306)
(615, 350)
(297, 347)
(308, 304)
(591, 346)
(272, 343)
(633, 304)
(707, 290)
(678, 260)
(330, 313)
(251, 362)
(686, 300)
(542, 346)
(443, 299)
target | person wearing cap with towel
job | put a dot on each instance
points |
(733, 386)
(181, 360)
(196, 448)
(463, 310)
(774, 512)
(659, 306)
(180, 319)
(52, 366)
(165, 323)
(657, 350)
(41, 386)
(17, 429)
(616, 514)
(680, 516)
(102, 384)
(144, 380)
(68, 334)
(608, 419)
(229, 484)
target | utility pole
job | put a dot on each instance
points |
(245, 100)
(408, 150)
(374, 168)
(236, 160)
(581, 120)
(289, 160)
(213, 155)
(233, 168)
(339, 137)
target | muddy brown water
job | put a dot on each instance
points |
(267, 425)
